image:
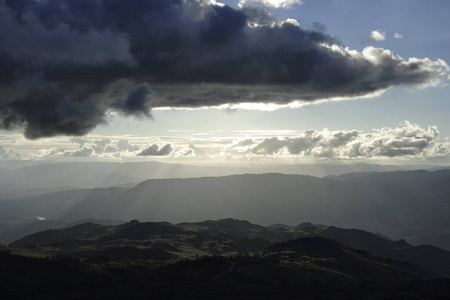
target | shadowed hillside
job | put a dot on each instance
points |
(409, 204)
(309, 268)
(162, 241)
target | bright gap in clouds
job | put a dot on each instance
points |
(407, 142)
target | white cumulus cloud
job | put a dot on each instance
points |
(6, 154)
(407, 140)
(378, 36)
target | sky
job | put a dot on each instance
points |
(242, 81)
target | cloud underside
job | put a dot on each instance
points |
(406, 141)
(65, 64)
(154, 150)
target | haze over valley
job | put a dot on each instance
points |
(401, 204)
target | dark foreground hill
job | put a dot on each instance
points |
(163, 241)
(13, 230)
(413, 205)
(305, 268)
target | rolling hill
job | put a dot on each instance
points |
(165, 241)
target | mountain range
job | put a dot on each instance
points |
(24, 178)
(402, 204)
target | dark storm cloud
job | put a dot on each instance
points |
(64, 64)
(319, 27)
(153, 150)
(136, 102)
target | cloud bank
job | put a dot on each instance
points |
(410, 140)
(65, 64)
(407, 142)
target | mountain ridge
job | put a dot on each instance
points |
(225, 236)
(69, 175)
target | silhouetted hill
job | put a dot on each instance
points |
(431, 258)
(12, 232)
(349, 264)
(135, 230)
(95, 221)
(183, 240)
(163, 241)
(310, 268)
(31, 278)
